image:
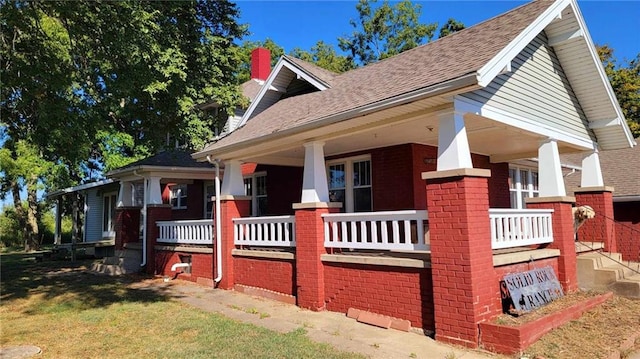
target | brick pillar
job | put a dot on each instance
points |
(563, 239)
(155, 212)
(309, 248)
(601, 228)
(464, 284)
(127, 226)
(230, 207)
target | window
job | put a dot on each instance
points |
(109, 201)
(178, 197)
(350, 183)
(255, 186)
(523, 183)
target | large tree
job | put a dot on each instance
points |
(625, 81)
(325, 56)
(90, 84)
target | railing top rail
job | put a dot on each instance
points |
(265, 219)
(358, 215)
(519, 211)
(186, 221)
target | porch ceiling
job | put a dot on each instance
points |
(412, 123)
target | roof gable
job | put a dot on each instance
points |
(289, 77)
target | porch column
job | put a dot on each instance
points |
(57, 238)
(465, 290)
(232, 182)
(154, 191)
(230, 207)
(310, 228)
(155, 212)
(314, 182)
(125, 194)
(550, 179)
(594, 193)
(233, 204)
(453, 146)
(563, 238)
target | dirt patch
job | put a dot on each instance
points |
(597, 334)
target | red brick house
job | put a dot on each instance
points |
(389, 188)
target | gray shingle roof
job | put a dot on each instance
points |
(445, 59)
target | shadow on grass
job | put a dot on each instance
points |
(68, 285)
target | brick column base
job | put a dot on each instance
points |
(309, 248)
(602, 227)
(230, 207)
(155, 212)
(127, 226)
(464, 284)
(563, 238)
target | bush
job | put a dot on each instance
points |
(10, 231)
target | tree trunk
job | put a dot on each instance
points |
(32, 215)
(20, 213)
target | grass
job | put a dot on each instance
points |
(68, 313)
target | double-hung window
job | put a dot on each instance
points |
(350, 183)
(178, 196)
(255, 186)
(523, 183)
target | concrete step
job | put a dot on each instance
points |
(605, 276)
(627, 287)
(602, 259)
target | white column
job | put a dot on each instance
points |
(591, 171)
(154, 191)
(57, 238)
(453, 146)
(232, 181)
(314, 182)
(125, 195)
(550, 180)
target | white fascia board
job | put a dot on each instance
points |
(466, 105)
(77, 188)
(268, 85)
(495, 66)
(600, 67)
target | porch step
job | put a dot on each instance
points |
(606, 271)
(124, 262)
(584, 247)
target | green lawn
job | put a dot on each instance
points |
(68, 313)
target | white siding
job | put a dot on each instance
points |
(537, 89)
(93, 219)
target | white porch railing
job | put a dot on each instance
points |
(399, 230)
(520, 227)
(274, 231)
(198, 231)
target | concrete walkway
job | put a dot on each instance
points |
(326, 327)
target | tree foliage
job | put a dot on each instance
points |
(92, 85)
(625, 81)
(385, 31)
(452, 25)
(325, 56)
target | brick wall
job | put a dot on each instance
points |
(155, 212)
(499, 186)
(404, 293)
(627, 215)
(277, 275)
(195, 201)
(201, 264)
(601, 228)
(391, 181)
(127, 226)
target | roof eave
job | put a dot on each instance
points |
(460, 82)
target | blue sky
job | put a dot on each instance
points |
(302, 23)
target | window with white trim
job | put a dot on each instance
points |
(109, 201)
(209, 193)
(523, 183)
(178, 196)
(350, 183)
(255, 186)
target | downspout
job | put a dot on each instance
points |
(144, 222)
(216, 164)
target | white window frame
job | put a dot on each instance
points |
(348, 206)
(112, 201)
(254, 189)
(519, 190)
(208, 198)
(181, 202)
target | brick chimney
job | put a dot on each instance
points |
(260, 63)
